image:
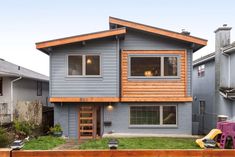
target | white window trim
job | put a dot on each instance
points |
(83, 65)
(162, 66)
(161, 125)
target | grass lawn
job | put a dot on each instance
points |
(43, 143)
(143, 143)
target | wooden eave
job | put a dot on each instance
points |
(73, 39)
(158, 31)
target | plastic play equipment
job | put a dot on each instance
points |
(224, 135)
(212, 134)
(228, 133)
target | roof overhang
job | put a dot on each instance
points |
(46, 45)
(197, 42)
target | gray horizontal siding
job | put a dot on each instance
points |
(105, 86)
(120, 116)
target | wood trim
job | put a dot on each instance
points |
(125, 153)
(186, 73)
(159, 99)
(158, 31)
(80, 38)
(78, 99)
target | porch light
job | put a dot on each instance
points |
(110, 107)
(89, 61)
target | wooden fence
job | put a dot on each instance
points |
(119, 153)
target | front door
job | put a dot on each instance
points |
(87, 122)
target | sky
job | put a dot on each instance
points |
(25, 22)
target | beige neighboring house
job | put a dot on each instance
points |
(23, 92)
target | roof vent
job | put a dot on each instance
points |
(225, 25)
(18, 67)
(185, 32)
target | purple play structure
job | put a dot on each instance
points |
(228, 131)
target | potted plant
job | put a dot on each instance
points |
(56, 130)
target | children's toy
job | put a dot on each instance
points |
(224, 136)
(212, 135)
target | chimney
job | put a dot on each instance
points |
(222, 37)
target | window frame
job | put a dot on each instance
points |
(162, 66)
(39, 82)
(161, 125)
(199, 72)
(1, 86)
(84, 65)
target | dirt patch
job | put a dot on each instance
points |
(69, 145)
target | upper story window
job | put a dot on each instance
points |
(39, 88)
(84, 65)
(201, 70)
(153, 66)
(1, 86)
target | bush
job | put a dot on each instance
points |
(23, 128)
(4, 141)
(56, 128)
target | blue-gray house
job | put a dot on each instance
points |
(214, 83)
(132, 78)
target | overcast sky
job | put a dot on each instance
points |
(24, 22)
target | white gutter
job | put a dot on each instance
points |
(229, 67)
(12, 99)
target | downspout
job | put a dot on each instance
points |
(229, 67)
(12, 99)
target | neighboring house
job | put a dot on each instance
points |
(131, 79)
(22, 93)
(214, 83)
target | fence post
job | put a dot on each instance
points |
(5, 152)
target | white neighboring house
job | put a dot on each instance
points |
(18, 84)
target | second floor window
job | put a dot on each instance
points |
(201, 70)
(84, 65)
(153, 66)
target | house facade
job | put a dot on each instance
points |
(21, 91)
(131, 79)
(214, 83)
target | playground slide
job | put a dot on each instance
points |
(212, 134)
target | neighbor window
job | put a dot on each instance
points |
(84, 65)
(153, 115)
(152, 66)
(39, 88)
(1, 86)
(202, 106)
(201, 70)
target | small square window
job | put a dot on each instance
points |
(170, 66)
(169, 114)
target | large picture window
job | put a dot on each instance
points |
(159, 115)
(84, 65)
(153, 66)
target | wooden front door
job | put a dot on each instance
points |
(87, 122)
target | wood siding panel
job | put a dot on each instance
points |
(144, 89)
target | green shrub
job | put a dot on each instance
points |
(4, 141)
(56, 128)
(23, 128)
